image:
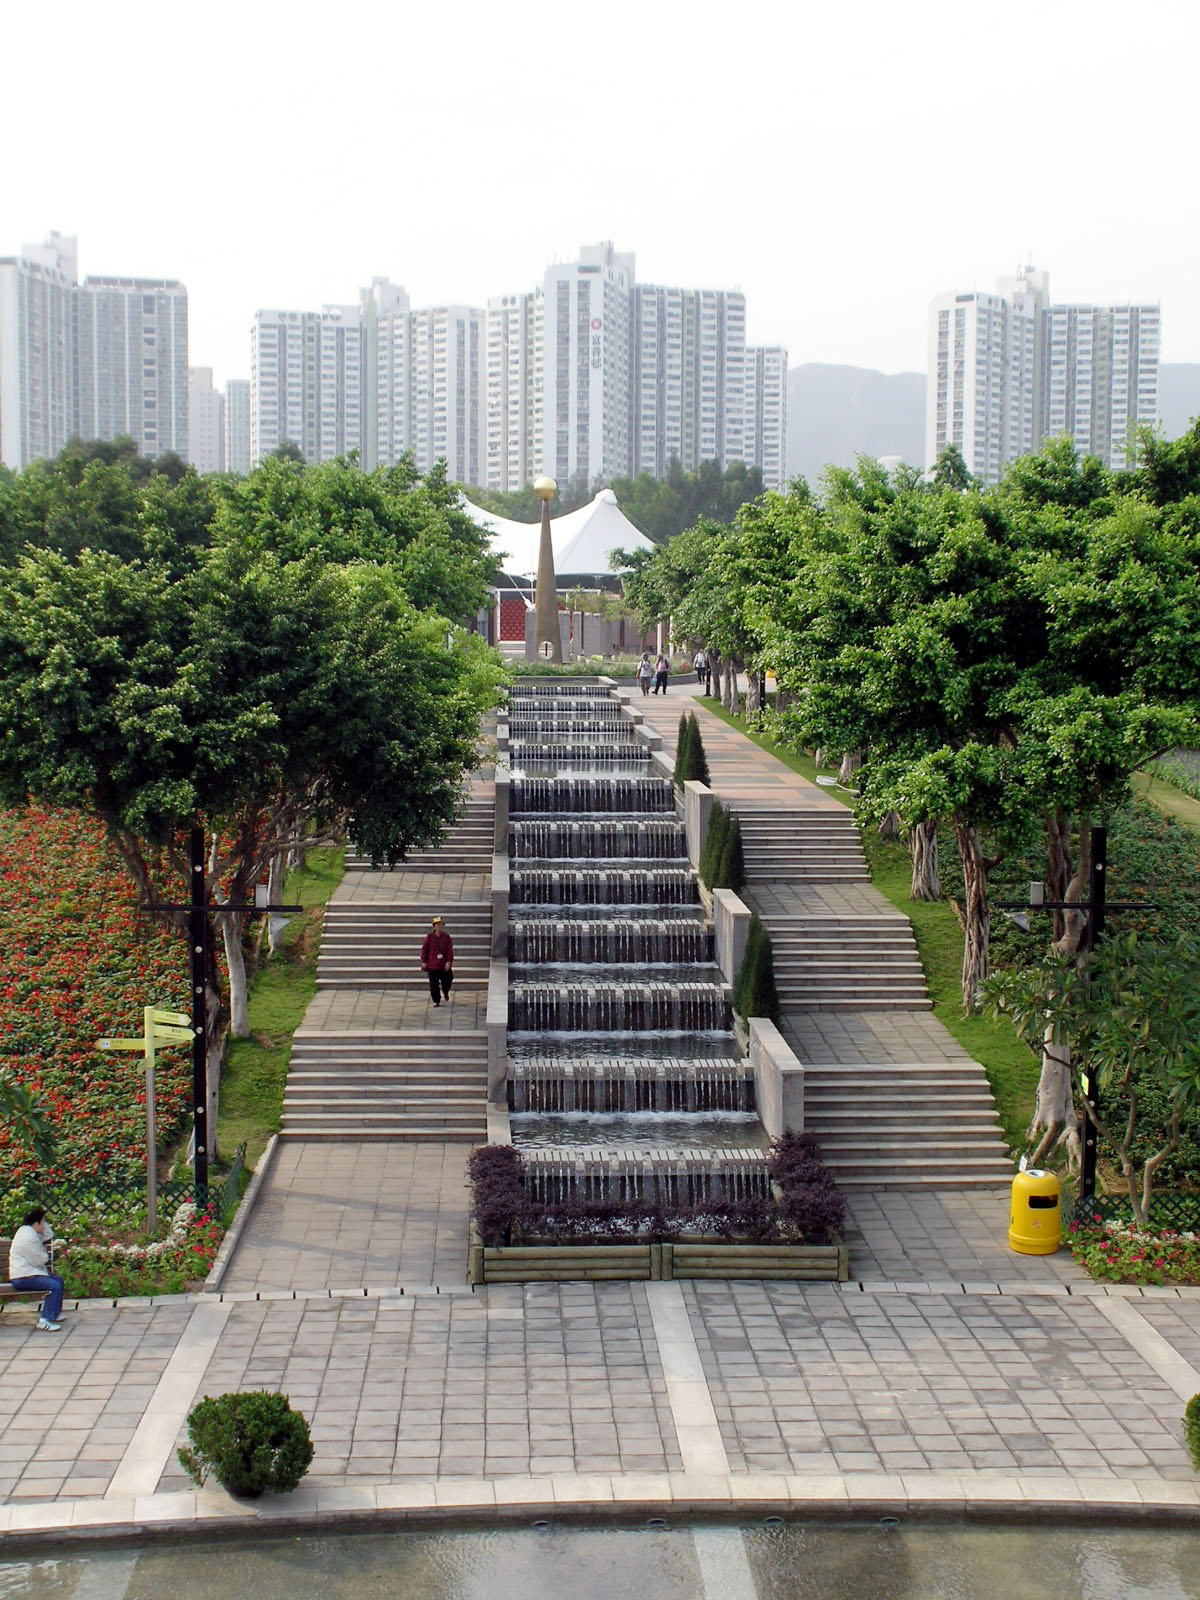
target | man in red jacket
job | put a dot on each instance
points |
(437, 959)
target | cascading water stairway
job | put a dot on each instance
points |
(619, 1020)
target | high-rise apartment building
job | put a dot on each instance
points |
(237, 426)
(588, 374)
(1008, 370)
(765, 392)
(514, 389)
(38, 393)
(689, 359)
(386, 373)
(132, 338)
(206, 422)
(98, 359)
(448, 408)
(1102, 377)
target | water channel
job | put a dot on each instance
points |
(788, 1561)
(620, 1029)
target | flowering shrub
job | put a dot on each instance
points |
(165, 1266)
(1126, 1254)
(78, 961)
(804, 1205)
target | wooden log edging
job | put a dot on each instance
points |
(572, 1262)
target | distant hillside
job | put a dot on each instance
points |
(1178, 396)
(838, 413)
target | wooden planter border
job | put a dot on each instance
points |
(701, 1258)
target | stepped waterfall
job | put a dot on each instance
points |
(621, 1052)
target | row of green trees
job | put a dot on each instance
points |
(275, 658)
(998, 659)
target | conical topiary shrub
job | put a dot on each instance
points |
(754, 991)
(693, 768)
(714, 840)
(682, 741)
(730, 870)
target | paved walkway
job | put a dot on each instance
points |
(949, 1375)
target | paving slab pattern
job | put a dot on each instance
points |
(71, 1402)
(918, 1237)
(541, 1380)
(348, 1215)
(394, 1010)
(825, 1381)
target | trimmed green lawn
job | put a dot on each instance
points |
(1168, 798)
(1011, 1067)
(256, 1070)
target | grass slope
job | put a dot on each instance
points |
(256, 1070)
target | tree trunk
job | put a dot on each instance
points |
(729, 687)
(239, 987)
(977, 925)
(819, 757)
(889, 828)
(1054, 1120)
(275, 925)
(851, 762)
(923, 851)
(754, 696)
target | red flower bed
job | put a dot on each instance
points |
(77, 962)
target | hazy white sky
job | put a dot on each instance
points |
(841, 163)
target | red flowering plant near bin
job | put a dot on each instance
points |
(78, 960)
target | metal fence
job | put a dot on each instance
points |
(116, 1204)
(1180, 1211)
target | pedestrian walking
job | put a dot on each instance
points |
(645, 672)
(437, 959)
(703, 670)
(662, 669)
(29, 1264)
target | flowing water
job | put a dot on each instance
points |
(619, 1041)
(638, 1560)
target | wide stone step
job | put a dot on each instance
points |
(830, 963)
(846, 1121)
(444, 1131)
(887, 1002)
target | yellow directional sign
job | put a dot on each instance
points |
(180, 1019)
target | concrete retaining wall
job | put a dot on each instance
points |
(778, 1079)
(731, 922)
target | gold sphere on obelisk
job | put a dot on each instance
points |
(545, 603)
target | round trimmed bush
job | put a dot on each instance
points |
(251, 1441)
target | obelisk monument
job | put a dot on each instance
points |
(545, 602)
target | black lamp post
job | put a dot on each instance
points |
(198, 912)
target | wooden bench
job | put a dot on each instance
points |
(7, 1292)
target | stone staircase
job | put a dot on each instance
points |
(842, 963)
(376, 1085)
(820, 845)
(907, 1125)
(378, 945)
(467, 847)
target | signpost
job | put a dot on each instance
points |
(159, 1029)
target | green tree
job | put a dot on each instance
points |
(26, 1118)
(259, 697)
(754, 990)
(714, 843)
(1131, 1014)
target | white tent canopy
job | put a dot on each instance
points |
(582, 539)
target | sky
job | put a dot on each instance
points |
(841, 164)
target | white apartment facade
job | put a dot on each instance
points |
(237, 426)
(448, 408)
(1102, 377)
(38, 396)
(132, 336)
(515, 389)
(1008, 370)
(587, 377)
(206, 422)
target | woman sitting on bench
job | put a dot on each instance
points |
(28, 1261)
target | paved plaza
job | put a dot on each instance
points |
(948, 1375)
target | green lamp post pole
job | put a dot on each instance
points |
(549, 636)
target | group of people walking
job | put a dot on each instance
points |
(658, 672)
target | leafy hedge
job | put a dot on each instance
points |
(804, 1205)
(691, 763)
(722, 863)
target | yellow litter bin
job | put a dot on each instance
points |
(1035, 1221)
